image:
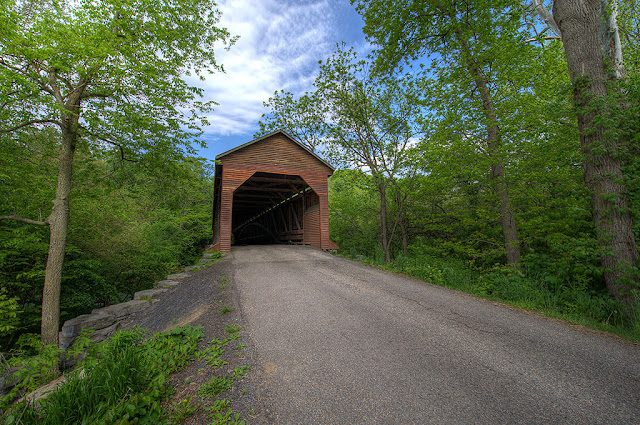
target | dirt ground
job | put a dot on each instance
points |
(198, 300)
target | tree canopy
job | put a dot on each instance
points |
(105, 73)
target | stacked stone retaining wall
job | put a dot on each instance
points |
(104, 322)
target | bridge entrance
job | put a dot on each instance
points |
(271, 190)
(271, 208)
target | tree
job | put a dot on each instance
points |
(363, 122)
(477, 42)
(302, 117)
(592, 46)
(105, 72)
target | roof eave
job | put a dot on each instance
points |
(273, 133)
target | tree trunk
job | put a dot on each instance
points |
(58, 222)
(382, 189)
(579, 23)
(507, 218)
(403, 224)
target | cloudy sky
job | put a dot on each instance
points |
(281, 42)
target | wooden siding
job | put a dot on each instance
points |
(276, 150)
(225, 220)
(312, 233)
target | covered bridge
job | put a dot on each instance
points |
(271, 190)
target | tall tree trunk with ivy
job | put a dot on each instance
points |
(580, 25)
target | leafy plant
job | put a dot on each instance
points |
(131, 366)
(226, 418)
(180, 411)
(232, 329)
(239, 372)
(215, 386)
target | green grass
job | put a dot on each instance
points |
(232, 329)
(180, 411)
(226, 309)
(216, 386)
(216, 413)
(134, 369)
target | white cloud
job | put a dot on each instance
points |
(279, 48)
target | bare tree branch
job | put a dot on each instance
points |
(109, 141)
(25, 220)
(545, 38)
(91, 95)
(331, 210)
(546, 16)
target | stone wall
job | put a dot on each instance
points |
(107, 320)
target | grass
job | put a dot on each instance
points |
(134, 367)
(226, 309)
(232, 329)
(216, 413)
(216, 386)
(220, 411)
(180, 411)
(146, 298)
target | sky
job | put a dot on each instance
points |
(280, 44)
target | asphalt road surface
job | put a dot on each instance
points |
(337, 342)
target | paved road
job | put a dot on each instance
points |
(342, 343)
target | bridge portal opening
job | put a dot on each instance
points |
(272, 208)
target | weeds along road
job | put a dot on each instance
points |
(337, 342)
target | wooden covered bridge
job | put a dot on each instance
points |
(271, 190)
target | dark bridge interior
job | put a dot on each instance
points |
(269, 208)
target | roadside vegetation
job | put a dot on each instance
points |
(123, 380)
(101, 194)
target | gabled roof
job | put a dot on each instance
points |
(237, 148)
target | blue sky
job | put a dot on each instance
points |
(280, 44)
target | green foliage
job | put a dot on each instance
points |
(121, 380)
(131, 225)
(574, 300)
(213, 353)
(232, 329)
(215, 386)
(181, 411)
(239, 372)
(9, 311)
(33, 372)
(104, 79)
(227, 418)
(226, 309)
